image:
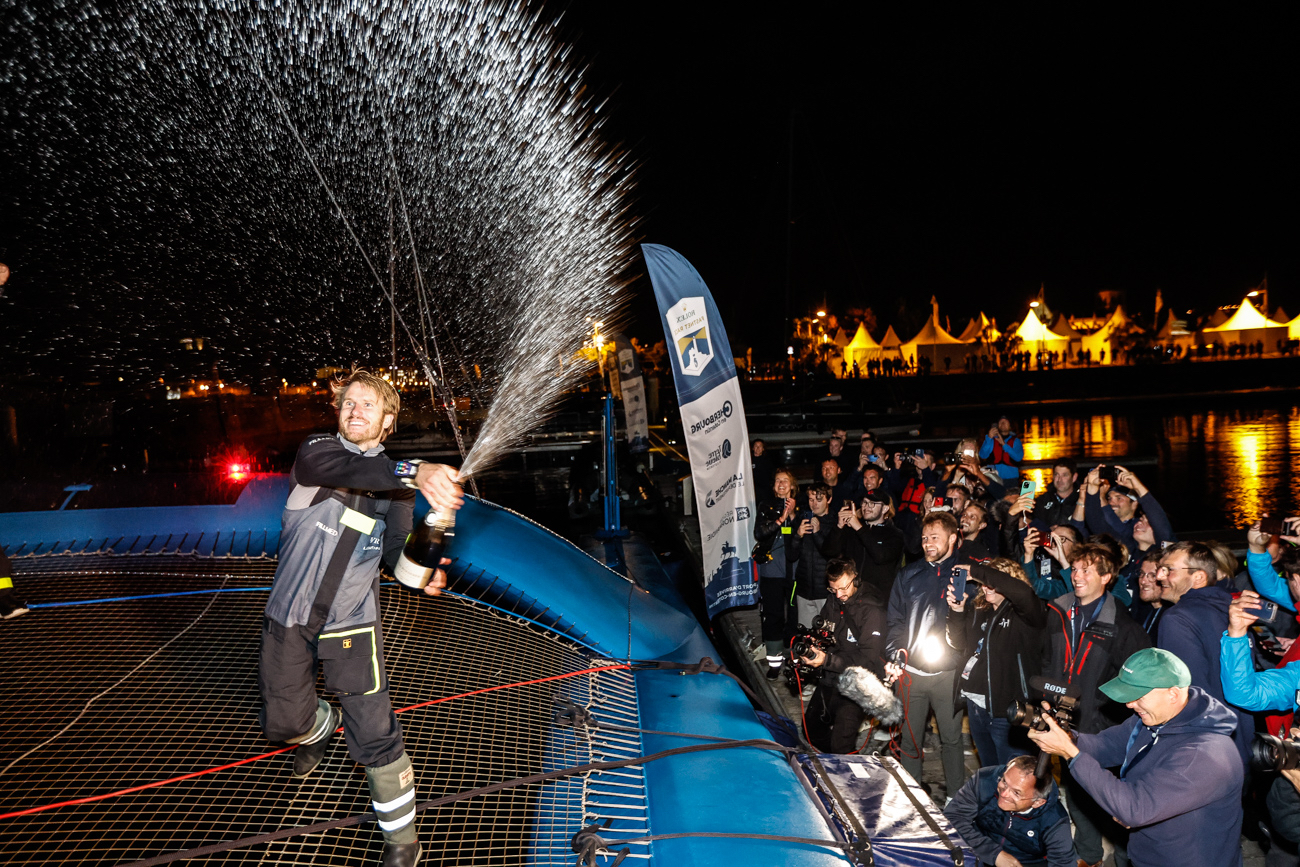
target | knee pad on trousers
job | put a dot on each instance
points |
(392, 795)
(321, 727)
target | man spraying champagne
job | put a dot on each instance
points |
(350, 507)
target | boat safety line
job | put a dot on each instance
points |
(149, 596)
(156, 784)
(590, 845)
(451, 593)
(362, 818)
(563, 635)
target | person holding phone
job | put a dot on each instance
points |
(1115, 509)
(1000, 633)
(1273, 689)
(921, 658)
(867, 536)
(815, 528)
(776, 550)
(1260, 563)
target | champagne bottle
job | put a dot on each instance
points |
(425, 549)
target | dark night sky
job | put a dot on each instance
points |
(970, 157)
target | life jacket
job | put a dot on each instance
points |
(913, 495)
(1001, 455)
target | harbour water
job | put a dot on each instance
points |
(1214, 466)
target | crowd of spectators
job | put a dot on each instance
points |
(1138, 659)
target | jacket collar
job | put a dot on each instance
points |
(356, 449)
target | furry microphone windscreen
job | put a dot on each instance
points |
(866, 690)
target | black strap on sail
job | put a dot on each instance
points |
(954, 851)
(338, 565)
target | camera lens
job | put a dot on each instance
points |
(1269, 753)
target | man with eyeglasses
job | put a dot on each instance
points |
(1148, 609)
(1178, 787)
(1192, 630)
(1011, 818)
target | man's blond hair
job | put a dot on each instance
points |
(388, 396)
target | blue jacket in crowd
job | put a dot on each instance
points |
(1191, 631)
(1037, 836)
(1183, 798)
(1267, 582)
(1271, 689)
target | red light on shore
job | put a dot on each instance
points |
(237, 472)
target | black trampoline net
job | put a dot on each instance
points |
(125, 692)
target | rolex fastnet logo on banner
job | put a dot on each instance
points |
(713, 419)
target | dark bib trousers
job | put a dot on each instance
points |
(353, 665)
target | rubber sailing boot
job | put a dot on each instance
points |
(392, 795)
(313, 745)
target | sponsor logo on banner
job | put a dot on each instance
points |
(737, 480)
(710, 422)
(731, 515)
(688, 322)
(742, 513)
(718, 455)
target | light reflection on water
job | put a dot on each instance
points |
(1210, 468)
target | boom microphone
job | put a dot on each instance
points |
(867, 692)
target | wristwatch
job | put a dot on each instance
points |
(405, 472)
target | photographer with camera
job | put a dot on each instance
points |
(918, 619)
(1089, 636)
(856, 616)
(1012, 819)
(911, 474)
(1004, 449)
(1180, 779)
(1273, 689)
(868, 537)
(1000, 635)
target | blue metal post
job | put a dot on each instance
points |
(612, 520)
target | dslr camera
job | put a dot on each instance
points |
(1064, 700)
(1272, 753)
(821, 635)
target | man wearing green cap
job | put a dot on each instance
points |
(1180, 777)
